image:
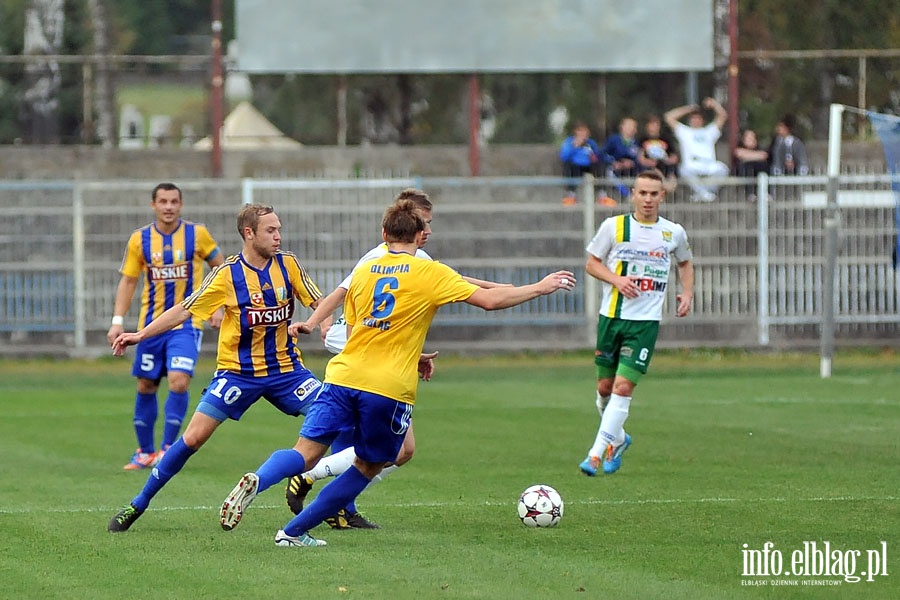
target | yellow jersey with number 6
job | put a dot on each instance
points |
(390, 305)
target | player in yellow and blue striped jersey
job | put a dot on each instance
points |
(168, 256)
(256, 357)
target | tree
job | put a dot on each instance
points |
(807, 87)
(104, 92)
(44, 21)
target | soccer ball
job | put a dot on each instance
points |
(540, 506)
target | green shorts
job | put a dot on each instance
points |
(624, 347)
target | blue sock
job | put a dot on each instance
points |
(145, 411)
(333, 496)
(281, 465)
(176, 409)
(168, 467)
(342, 441)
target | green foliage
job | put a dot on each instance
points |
(13, 79)
(305, 108)
(694, 487)
(807, 87)
(160, 27)
(12, 24)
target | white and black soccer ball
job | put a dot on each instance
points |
(540, 506)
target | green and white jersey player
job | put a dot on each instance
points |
(632, 254)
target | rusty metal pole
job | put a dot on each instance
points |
(216, 94)
(733, 124)
(474, 125)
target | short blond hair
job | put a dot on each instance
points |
(418, 197)
(249, 216)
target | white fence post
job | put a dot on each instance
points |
(78, 267)
(247, 190)
(762, 228)
(591, 285)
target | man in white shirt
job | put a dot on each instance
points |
(698, 147)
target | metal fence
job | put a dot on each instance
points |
(759, 265)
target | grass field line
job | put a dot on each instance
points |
(621, 502)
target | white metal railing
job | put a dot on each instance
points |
(759, 265)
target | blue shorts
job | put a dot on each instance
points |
(379, 423)
(175, 350)
(229, 394)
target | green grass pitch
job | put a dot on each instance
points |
(729, 449)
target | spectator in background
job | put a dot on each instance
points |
(749, 160)
(658, 151)
(579, 155)
(788, 152)
(698, 146)
(621, 149)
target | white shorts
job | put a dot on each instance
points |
(336, 338)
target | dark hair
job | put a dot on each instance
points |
(789, 121)
(167, 187)
(401, 222)
(418, 197)
(249, 216)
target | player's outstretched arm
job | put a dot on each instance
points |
(483, 283)
(505, 297)
(170, 319)
(323, 310)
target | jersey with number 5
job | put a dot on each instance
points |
(390, 305)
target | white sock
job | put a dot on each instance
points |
(332, 465)
(611, 425)
(384, 473)
(601, 403)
